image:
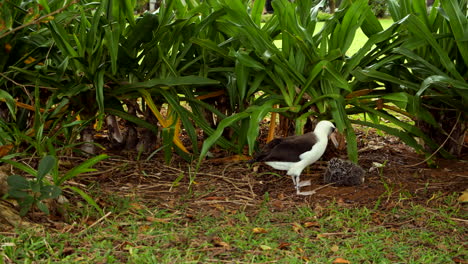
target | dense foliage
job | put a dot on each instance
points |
(379, 7)
(213, 65)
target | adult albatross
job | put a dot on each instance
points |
(294, 153)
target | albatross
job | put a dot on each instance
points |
(293, 154)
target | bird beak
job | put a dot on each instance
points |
(334, 139)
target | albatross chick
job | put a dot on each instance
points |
(343, 173)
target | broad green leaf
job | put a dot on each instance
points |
(458, 21)
(18, 194)
(257, 11)
(99, 86)
(43, 207)
(173, 101)
(45, 166)
(257, 115)
(18, 182)
(246, 60)
(420, 31)
(445, 83)
(211, 140)
(50, 192)
(167, 137)
(169, 81)
(26, 205)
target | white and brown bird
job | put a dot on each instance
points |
(293, 154)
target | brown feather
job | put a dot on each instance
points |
(287, 149)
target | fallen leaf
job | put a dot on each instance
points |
(442, 247)
(340, 202)
(341, 261)
(296, 227)
(136, 206)
(29, 60)
(335, 248)
(321, 235)
(5, 149)
(259, 230)
(217, 242)
(126, 245)
(265, 247)
(190, 216)
(157, 220)
(464, 197)
(284, 245)
(278, 205)
(143, 228)
(281, 196)
(459, 260)
(68, 251)
(7, 47)
(255, 168)
(311, 224)
(218, 207)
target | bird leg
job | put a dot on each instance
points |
(294, 180)
(298, 184)
(304, 183)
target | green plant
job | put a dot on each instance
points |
(31, 193)
(379, 7)
(310, 76)
(426, 66)
(322, 16)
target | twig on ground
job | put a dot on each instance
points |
(95, 223)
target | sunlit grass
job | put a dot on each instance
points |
(359, 39)
(405, 234)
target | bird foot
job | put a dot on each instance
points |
(305, 193)
(304, 183)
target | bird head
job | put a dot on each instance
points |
(329, 129)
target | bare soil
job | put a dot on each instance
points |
(394, 173)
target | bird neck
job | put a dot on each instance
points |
(321, 136)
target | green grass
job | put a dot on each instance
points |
(359, 40)
(403, 234)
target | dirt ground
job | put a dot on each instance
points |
(231, 185)
(395, 175)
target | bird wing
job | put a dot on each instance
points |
(287, 149)
(260, 156)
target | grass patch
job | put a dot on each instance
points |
(359, 39)
(404, 234)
